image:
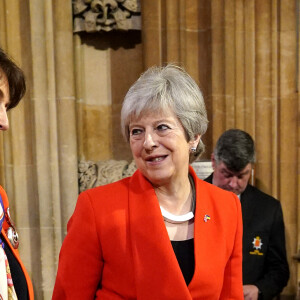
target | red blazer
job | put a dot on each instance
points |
(117, 246)
(14, 251)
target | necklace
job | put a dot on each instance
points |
(170, 218)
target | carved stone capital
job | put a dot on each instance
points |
(106, 15)
(92, 174)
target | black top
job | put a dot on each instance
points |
(17, 274)
(184, 251)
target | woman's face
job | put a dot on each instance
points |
(4, 101)
(159, 147)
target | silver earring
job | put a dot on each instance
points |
(193, 149)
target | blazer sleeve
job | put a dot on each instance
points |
(277, 269)
(233, 279)
(80, 260)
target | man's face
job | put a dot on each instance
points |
(235, 182)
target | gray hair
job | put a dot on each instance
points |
(235, 148)
(161, 89)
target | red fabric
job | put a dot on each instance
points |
(117, 238)
(15, 251)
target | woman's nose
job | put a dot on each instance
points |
(4, 125)
(149, 142)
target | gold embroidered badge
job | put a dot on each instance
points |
(257, 246)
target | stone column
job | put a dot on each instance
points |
(173, 49)
(263, 97)
(298, 147)
(151, 33)
(217, 121)
(288, 131)
(65, 103)
(46, 140)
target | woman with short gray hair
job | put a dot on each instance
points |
(162, 233)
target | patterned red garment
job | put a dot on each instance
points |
(7, 290)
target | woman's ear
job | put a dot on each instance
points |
(194, 143)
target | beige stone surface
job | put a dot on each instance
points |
(96, 76)
(97, 129)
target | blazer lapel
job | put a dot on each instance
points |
(204, 232)
(248, 206)
(158, 275)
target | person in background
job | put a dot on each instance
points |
(14, 280)
(162, 233)
(265, 266)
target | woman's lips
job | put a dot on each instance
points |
(156, 159)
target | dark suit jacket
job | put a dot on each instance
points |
(264, 254)
(117, 246)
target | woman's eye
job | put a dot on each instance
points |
(136, 131)
(162, 127)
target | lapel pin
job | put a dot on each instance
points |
(206, 218)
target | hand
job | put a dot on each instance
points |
(250, 292)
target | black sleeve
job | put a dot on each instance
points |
(276, 266)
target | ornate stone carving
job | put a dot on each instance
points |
(92, 174)
(107, 15)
